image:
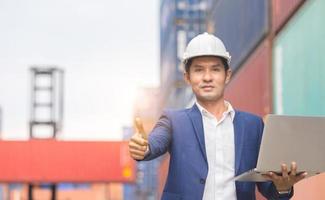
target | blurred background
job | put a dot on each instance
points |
(74, 74)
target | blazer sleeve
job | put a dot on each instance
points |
(268, 190)
(160, 138)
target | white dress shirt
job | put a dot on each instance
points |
(220, 151)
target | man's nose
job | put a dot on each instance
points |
(207, 76)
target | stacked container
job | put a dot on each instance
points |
(276, 49)
(298, 76)
(180, 21)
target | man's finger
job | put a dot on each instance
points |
(139, 127)
(138, 146)
(293, 169)
(136, 157)
(137, 152)
(139, 140)
(274, 176)
(284, 170)
(301, 176)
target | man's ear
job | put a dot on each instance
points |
(228, 75)
(186, 77)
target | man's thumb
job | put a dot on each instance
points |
(139, 127)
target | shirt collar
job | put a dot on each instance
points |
(230, 110)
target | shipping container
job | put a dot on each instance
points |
(211, 4)
(242, 25)
(298, 82)
(191, 10)
(299, 63)
(95, 191)
(129, 191)
(147, 179)
(2, 194)
(168, 59)
(250, 88)
(181, 20)
(167, 39)
(167, 16)
(162, 174)
(52, 161)
(282, 11)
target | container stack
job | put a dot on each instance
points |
(276, 48)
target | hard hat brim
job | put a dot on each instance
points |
(185, 60)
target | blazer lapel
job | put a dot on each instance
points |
(196, 118)
(239, 129)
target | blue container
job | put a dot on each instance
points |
(167, 17)
(129, 191)
(73, 186)
(211, 3)
(1, 192)
(180, 21)
(15, 186)
(191, 10)
(168, 60)
(241, 24)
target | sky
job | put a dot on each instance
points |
(108, 49)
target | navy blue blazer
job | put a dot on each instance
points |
(181, 134)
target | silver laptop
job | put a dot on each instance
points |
(286, 139)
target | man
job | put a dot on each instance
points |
(210, 143)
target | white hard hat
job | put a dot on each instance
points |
(206, 44)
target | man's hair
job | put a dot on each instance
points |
(188, 64)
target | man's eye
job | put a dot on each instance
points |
(197, 70)
(216, 69)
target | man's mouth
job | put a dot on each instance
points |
(207, 87)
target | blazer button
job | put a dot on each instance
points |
(202, 181)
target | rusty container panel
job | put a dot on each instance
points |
(250, 88)
(282, 11)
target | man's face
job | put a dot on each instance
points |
(208, 78)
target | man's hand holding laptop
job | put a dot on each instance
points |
(284, 180)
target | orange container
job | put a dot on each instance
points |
(65, 161)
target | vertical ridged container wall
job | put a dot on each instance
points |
(242, 25)
(250, 87)
(299, 83)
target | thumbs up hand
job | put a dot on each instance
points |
(138, 144)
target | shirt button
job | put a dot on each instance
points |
(202, 181)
